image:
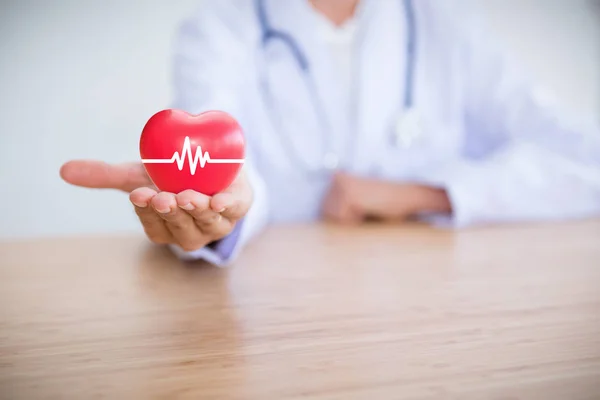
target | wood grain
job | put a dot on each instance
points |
(312, 312)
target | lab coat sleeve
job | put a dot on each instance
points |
(212, 70)
(525, 158)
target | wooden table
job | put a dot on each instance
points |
(314, 312)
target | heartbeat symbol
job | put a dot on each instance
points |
(198, 159)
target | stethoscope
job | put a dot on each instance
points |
(406, 127)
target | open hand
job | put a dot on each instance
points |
(188, 219)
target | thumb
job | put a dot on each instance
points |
(100, 175)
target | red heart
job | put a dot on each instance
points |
(174, 142)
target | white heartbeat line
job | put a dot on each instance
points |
(197, 159)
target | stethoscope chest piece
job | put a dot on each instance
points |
(408, 128)
(331, 161)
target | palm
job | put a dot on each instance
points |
(100, 175)
(189, 219)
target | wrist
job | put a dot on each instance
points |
(225, 245)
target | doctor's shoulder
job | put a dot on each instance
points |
(226, 22)
(213, 56)
(454, 27)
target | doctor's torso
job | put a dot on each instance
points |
(348, 99)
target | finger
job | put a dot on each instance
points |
(154, 226)
(338, 210)
(328, 208)
(209, 221)
(234, 202)
(141, 197)
(180, 224)
(100, 175)
(347, 214)
(192, 202)
(230, 206)
(330, 205)
(344, 215)
(344, 210)
(198, 206)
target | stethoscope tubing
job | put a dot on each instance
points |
(269, 34)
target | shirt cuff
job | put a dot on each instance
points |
(226, 246)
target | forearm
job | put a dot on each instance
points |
(391, 200)
(413, 199)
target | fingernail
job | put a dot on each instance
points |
(188, 207)
(163, 211)
(141, 205)
(221, 210)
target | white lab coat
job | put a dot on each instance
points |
(501, 152)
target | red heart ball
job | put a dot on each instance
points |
(181, 151)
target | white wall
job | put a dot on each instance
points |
(78, 79)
